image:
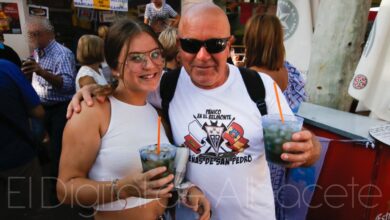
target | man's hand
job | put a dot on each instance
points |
(237, 61)
(86, 93)
(197, 201)
(304, 149)
(29, 67)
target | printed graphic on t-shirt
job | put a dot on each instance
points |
(215, 138)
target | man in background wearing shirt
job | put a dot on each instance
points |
(52, 71)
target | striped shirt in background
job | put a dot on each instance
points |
(58, 60)
(163, 13)
(295, 91)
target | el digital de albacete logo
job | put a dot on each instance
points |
(215, 138)
(289, 17)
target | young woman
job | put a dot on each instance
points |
(100, 164)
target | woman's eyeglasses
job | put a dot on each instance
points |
(154, 55)
(214, 45)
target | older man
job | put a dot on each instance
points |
(210, 97)
(53, 72)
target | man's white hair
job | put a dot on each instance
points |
(40, 21)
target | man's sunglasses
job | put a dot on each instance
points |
(214, 45)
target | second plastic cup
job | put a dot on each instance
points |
(151, 159)
(276, 133)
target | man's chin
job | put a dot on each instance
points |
(204, 83)
(203, 69)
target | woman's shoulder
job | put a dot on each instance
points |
(96, 112)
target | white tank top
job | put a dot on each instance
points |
(130, 128)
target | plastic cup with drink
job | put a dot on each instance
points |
(26, 66)
(277, 132)
(151, 158)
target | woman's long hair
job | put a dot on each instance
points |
(263, 40)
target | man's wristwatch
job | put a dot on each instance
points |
(183, 189)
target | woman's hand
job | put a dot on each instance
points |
(198, 202)
(146, 186)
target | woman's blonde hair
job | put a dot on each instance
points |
(263, 40)
(90, 50)
(168, 39)
(102, 31)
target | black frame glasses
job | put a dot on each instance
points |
(213, 45)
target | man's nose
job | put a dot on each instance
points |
(203, 54)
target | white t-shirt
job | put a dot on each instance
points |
(131, 127)
(237, 183)
(88, 71)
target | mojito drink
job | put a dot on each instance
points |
(277, 133)
(151, 159)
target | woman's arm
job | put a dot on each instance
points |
(86, 80)
(146, 21)
(81, 143)
(175, 23)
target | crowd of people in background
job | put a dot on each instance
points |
(131, 57)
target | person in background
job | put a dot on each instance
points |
(102, 33)
(263, 40)
(90, 55)
(210, 96)
(100, 163)
(8, 53)
(265, 53)
(168, 39)
(157, 14)
(53, 73)
(20, 171)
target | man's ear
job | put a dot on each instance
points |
(231, 40)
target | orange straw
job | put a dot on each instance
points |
(277, 99)
(158, 134)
